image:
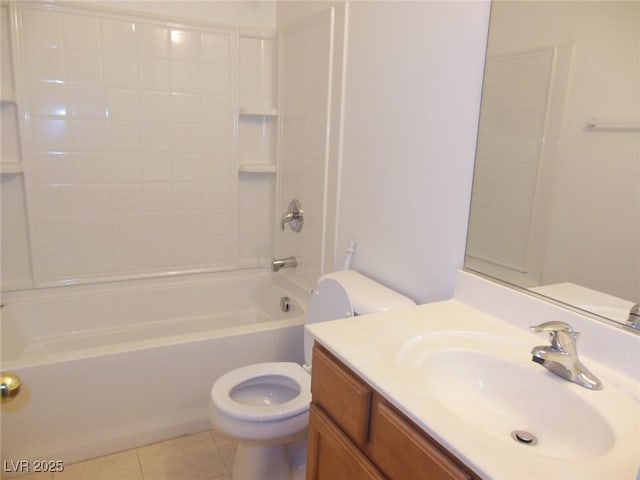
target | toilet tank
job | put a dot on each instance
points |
(346, 293)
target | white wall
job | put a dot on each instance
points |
(412, 97)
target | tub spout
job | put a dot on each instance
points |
(634, 317)
(288, 262)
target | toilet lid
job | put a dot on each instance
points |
(329, 301)
(287, 374)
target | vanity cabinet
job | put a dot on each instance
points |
(354, 433)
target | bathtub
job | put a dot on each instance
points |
(113, 366)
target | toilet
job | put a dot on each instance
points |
(265, 406)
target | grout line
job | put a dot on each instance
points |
(139, 464)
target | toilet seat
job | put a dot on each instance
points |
(288, 374)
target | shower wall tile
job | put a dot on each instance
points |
(306, 67)
(49, 99)
(152, 40)
(55, 169)
(513, 115)
(185, 76)
(215, 79)
(89, 135)
(188, 167)
(120, 71)
(123, 136)
(51, 135)
(122, 104)
(185, 107)
(215, 49)
(118, 36)
(87, 102)
(81, 31)
(90, 229)
(131, 168)
(214, 109)
(154, 73)
(155, 106)
(83, 67)
(185, 44)
(41, 30)
(45, 64)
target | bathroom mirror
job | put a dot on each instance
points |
(556, 195)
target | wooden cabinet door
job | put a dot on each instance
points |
(343, 396)
(332, 456)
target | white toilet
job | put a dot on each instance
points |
(265, 406)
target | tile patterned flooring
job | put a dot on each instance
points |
(201, 456)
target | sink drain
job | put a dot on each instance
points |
(526, 438)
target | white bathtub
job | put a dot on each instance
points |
(113, 366)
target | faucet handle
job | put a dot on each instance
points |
(562, 335)
(553, 326)
(294, 216)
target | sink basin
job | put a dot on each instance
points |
(489, 383)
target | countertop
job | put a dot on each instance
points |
(372, 345)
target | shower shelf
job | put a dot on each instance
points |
(258, 112)
(257, 168)
(7, 97)
(10, 168)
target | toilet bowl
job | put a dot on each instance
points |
(265, 406)
(264, 402)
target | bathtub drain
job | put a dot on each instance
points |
(524, 437)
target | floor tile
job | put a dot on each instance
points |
(123, 466)
(227, 449)
(35, 476)
(193, 457)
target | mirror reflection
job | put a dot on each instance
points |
(556, 195)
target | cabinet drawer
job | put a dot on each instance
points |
(342, 395)
(402, 452)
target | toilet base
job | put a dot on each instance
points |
(261, 462)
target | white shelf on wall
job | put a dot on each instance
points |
(10, 168)
(257, 168)
(259, 111)
(7, 97)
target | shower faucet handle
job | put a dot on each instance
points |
(294, 217)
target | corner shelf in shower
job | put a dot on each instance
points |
(257, 168)
(7, 97)
(10, 168)
(258, 112)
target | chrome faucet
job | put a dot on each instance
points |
(634, 317)
(561, 357)
(288, 262)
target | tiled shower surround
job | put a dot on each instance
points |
(130, 144)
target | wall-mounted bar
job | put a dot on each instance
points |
(628, 126)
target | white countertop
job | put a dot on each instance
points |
(370, 345)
